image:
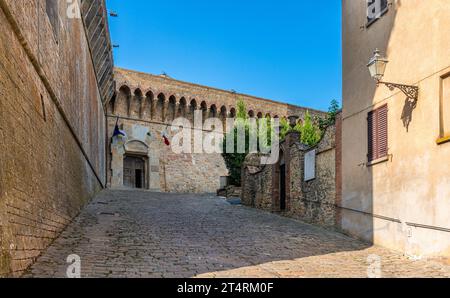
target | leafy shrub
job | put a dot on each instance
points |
(234, 161)
(311, 131)
(330, 118)
(310, 134)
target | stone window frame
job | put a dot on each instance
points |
(370, 22)
(444, 136)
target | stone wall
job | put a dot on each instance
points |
(312, 201)
(52, 128)
(181, 173)
(257, 179)
(153, 102)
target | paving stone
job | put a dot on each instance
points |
(175, 235)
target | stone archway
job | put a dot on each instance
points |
(134, 172)
(134, 164)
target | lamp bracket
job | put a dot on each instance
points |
(412, 92)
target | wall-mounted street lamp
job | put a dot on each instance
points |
(377, 66)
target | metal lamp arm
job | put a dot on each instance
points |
(411, 91)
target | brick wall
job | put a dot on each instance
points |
(52, 129)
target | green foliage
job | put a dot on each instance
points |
(334, 109)
(266, 134)
(285, 128)
(241, 110)
(310, 133)
(234, 161)
(330, 118)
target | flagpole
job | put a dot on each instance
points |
(116, 128)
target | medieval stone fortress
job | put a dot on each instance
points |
(88, 176)
(146, 105)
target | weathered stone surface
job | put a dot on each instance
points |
(313, 201)
(257, 181)
(143, 234)
(172, 172)
(155, 85)
(153, 102)
(230, 191)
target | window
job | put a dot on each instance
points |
(375, 9)
(377, 121)
(445, 107)
(51, 7)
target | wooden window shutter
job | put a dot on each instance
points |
(382, 131)
(372, 133)
(377, 124)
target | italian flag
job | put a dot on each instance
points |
(165, 138)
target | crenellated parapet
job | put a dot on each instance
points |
(163, 99)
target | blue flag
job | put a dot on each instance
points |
(118, 132)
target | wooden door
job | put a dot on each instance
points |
(133, 172)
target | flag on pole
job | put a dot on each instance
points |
(165, 138)
(117, 131)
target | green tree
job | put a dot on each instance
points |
(241, 113)
(285, 128)
(330, 118)
(310, 133)
(234, 160)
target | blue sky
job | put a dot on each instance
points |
(285, 50)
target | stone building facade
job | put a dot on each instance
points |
(400, 198)
(55, 76)
(303, 184)
(145, 106)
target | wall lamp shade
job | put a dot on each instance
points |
(377, 66)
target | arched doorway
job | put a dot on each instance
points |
(134, 174)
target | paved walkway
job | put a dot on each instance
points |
(141, 234)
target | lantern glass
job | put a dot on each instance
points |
(377, 66)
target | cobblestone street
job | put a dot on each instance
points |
(142, 234)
